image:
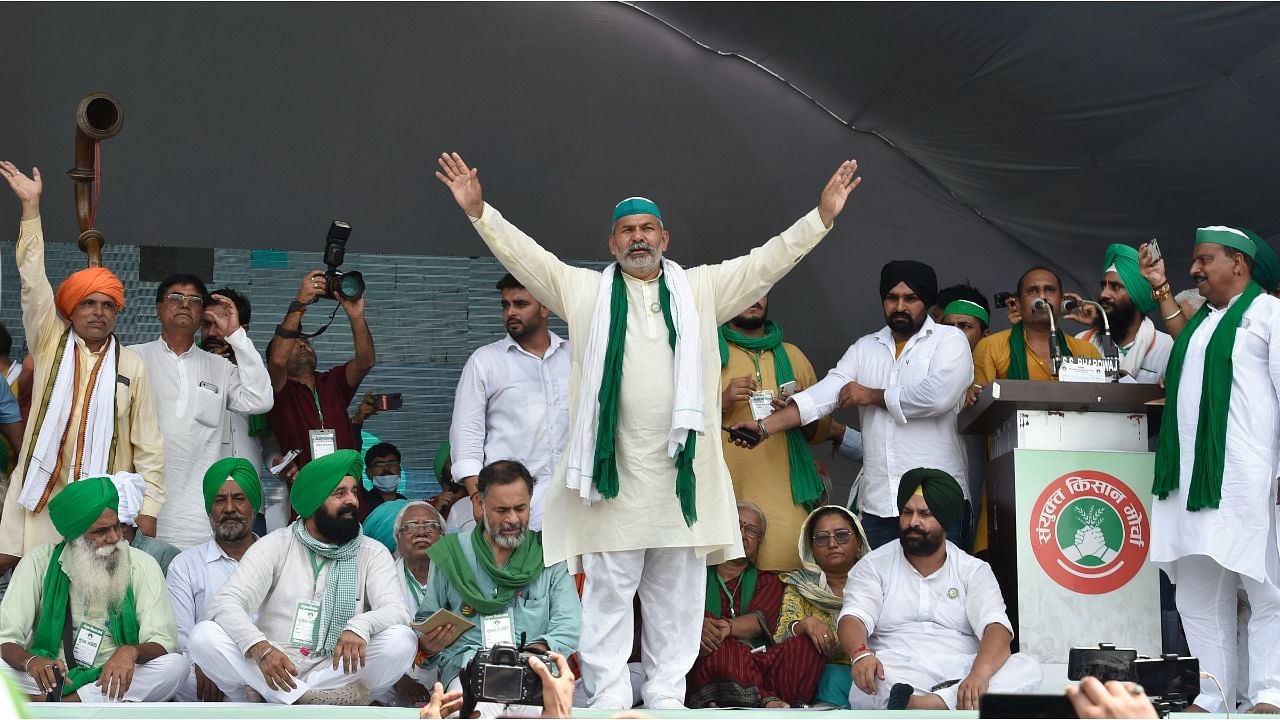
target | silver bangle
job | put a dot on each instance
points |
(270, 649)
(26, 668)
(1174, 314)
(792, 628)
(764, 433)
(855, 660)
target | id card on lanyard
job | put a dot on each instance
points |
(323, 442)
(498, 628)
(88, 642)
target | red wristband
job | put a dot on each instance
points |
(861, 648)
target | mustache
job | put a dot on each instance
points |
(1199, 278)
(510, 527)
(640, 246)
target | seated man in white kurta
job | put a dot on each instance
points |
(640, 503)
(923, 621)
(332, 627)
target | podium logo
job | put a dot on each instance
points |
(1089, 532)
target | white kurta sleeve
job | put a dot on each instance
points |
(745, 279)
(824, 397)
(468, 429)
(183, 597)
(248, 384)
(983, 603)
(950, 375)
(863, 595)
(242, 594)
(382, 593)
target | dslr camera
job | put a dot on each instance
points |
(1170, 681)
(350, 284)
(502, 674)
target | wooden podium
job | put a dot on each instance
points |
(1068, 502)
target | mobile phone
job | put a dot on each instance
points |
(747, 436)
(787, 389)
(1153, 250)
(388, 401)
(55, 694)
(1002, 298)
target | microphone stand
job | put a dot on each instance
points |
(1055, 352)
(1110, 348)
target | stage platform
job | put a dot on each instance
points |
(249, 711)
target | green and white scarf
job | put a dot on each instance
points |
(806, 486)
(1018, 352)
(341, 590)
(1215, 404)
(522, 568)
(592, 468)
(47, 640)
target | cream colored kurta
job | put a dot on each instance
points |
(139, 446)
(763, 474)
(646, 513)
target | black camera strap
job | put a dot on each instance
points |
(290, 334)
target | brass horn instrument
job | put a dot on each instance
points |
(98, 117)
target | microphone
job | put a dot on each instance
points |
(1055, 352)
(1109, 348)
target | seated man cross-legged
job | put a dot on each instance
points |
(494, 577)
(923, 621)
(332, 627)
(122, 630)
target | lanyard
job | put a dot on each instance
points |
(755, 360)
(319, 411)
(733, 612)
(317, 565)
(415, 588)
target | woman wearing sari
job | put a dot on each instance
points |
(831, 541)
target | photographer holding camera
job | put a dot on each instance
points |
(494, 578)
(310, 412)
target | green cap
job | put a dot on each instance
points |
(636, 206)
(967, 307)
(1227, 237)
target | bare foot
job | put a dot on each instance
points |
(1264, 709)
(777, 704)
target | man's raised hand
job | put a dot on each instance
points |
(463, 182)
(836, 191)
(26, 189)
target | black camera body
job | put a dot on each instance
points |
(1170, 681)
(502, 674)
(349, 285)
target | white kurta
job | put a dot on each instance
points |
(646, 513)
(1155, 356)
(193, 393)
(1239, 535)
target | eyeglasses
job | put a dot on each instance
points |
(392, 465)
(751, 531)
(842, 537)
(429, 527)
(181, 300)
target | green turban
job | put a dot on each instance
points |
(1266, 266)
(380, 525)
(233, 468)
(636, 206)
(317, 479)
(1227, 237)
(442, 457)
(1125, 261)
(941, 493)
(80, 504)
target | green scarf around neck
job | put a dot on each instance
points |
(522, 568)
(605, 471)
(1018, 352)
(341, 589)
(122, 622)
(1215, 404)
(746, 590)
(806, 486)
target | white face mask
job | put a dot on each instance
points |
(386, 483)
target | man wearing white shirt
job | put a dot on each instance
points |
(232, 495)
(512, 401)
(194, 390)
(923, 622)
(908, 382)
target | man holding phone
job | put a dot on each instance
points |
(758, 373)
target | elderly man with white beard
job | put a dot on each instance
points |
(494, 577)
(122, 630)
(232, 498)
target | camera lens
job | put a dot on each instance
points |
(351, 285)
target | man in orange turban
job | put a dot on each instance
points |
(92, 413)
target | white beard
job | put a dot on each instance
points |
(99, 575)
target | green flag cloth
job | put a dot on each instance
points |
(1125, 260)
(806, 486)
(746, 591)
(1215, 404)
(239, 470)
(1018, 352)
(605, 471)
(122, 622)
(522, 568)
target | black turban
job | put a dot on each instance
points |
(941, 493)
(918, 276)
